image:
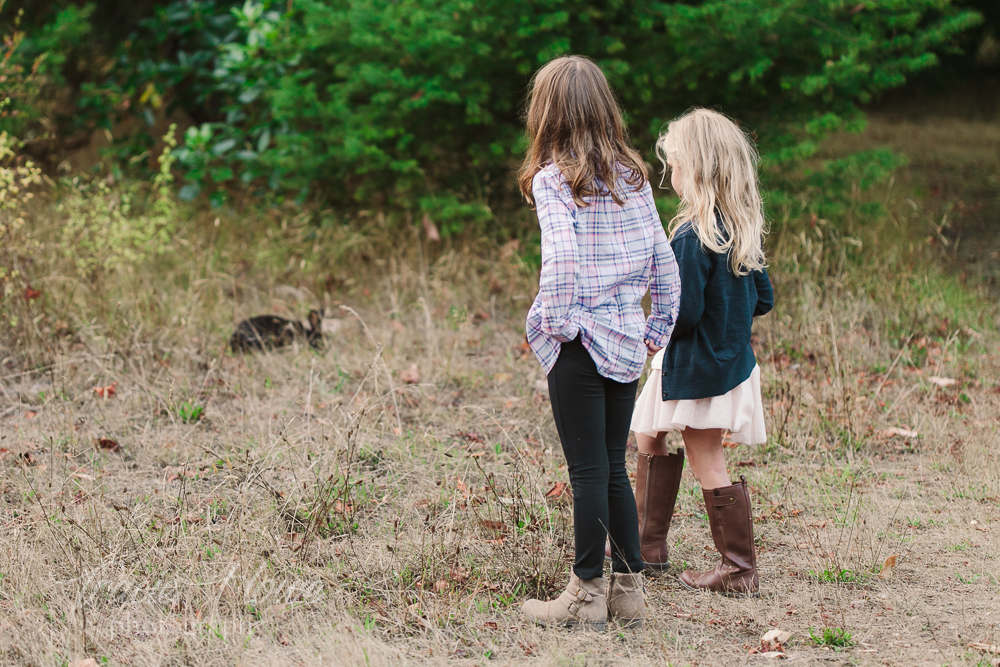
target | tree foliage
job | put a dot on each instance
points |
(416, 103)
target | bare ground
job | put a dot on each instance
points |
(394, 497)
(322, 510)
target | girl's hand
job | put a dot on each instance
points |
(652, 349)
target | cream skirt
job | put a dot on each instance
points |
(740, 411)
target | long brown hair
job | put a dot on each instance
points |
(574, 122)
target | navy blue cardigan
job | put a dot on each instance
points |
(709, 352)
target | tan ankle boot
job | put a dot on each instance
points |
(627, 599)
(731, 521)
(583, 605)
(657, 482)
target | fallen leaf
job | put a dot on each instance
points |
(106, 392)
(941, 382)
(493, 525)
(901, 432)
(774, 638)
(987, 648)
(472, 436)
(107, 443)
(430, 229)
(557, 490)
(771, 655)
(502, 377)
(886, 571)
(30, 294)
(177, 473)
(440, 585)
(86, 662)
(411, 375)
(30, 414)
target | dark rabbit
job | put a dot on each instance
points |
(270, 331)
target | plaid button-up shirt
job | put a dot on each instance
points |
(597, 263)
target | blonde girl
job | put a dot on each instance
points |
(706, 381)
(603, 246)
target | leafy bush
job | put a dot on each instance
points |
(102, 231)
(71, 91)
(415, 104)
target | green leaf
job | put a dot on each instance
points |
(223, 146)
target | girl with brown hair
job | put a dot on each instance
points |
(603, 246)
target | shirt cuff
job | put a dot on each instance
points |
(658, 331)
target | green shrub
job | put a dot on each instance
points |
(103, 228)
(18, 180)
(415, 103)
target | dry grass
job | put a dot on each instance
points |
(324, 511)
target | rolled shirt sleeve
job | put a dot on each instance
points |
(665, 291)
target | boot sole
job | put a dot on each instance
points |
(729, 594)
(569, 625)
(631, 623)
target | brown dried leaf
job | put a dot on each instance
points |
(886, 571)
(941, 381)
(774, 638)
(901, 432)
(411, 375)
(106, 392)
(557, 490)
(108, 444)
(30, 294)
(987, 648)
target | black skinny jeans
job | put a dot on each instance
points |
(593, 414)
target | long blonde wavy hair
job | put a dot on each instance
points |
(718, 171)
(573, 120)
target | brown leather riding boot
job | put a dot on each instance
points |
(657, 482)
(731, 521)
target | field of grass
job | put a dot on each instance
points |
(393, 498)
